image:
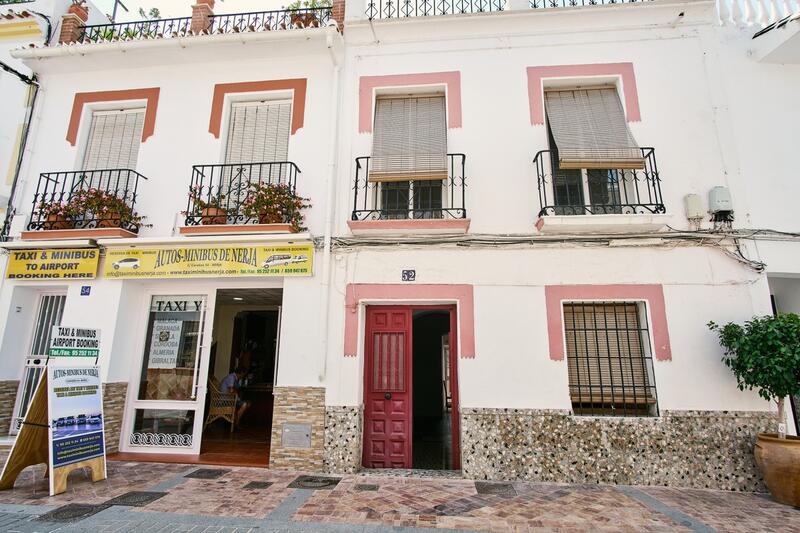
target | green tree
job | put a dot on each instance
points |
(764, 354)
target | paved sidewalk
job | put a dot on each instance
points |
(171, 498)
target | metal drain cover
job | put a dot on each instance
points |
(366, 486)
(496, 489)
(71, 512)
(258, 485)
(136, 498)
(207, 473)
(314, 482)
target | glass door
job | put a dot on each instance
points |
(167, 408)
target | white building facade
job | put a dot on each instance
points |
(509, 261)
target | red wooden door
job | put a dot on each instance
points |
(387, 388)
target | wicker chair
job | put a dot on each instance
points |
(221, 405)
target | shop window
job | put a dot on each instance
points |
(409, 155)
(162, 427)
(609, 359)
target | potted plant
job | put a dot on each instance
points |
(274, 203)
(208, 207)
(309, 18)
(57, 215)
(765, 354)
(109, 210)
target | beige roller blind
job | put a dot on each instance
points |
(605, 354)
(410, 139)
(259, 132)
(114, 138)
(590, 130)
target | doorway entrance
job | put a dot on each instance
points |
(241, 375)
(410, 388)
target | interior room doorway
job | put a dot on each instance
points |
(242, 366)
(411, 388)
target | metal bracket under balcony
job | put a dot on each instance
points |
(409, 199)
(87, 199)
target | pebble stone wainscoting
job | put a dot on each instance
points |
(8, 396)
(343, 439)
(113, 408)
(703, 449)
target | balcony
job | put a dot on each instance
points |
(286, 19)
(425, 206)
(393, 9)
(244, 198)
(619, 200)
(85, 204)
(544, 4)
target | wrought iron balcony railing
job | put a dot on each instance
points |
(286, 19)
(421, 199)
(84, 199)
(9, 2)
(218, 193)
(542, 4)
(389, 9)
(598, 192)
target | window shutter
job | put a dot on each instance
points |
(409, 140)
(608, 366)
(114, 138)
(590, 130)
(259, 132)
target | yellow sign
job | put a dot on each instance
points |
(53, 264)
(210, 262)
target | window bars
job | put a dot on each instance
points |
(542, 4)
(610, 363)
(388, 9)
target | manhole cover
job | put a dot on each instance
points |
(497, 489)
(314, 482)
(258, 485)
(71, 512)
(207, 473)
(136, 498)
(365, 486)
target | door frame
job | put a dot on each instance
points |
(455, 422)
(198, 404)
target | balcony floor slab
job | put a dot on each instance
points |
(238, 229)
(409, 226)
(87, 233)
(583, 224)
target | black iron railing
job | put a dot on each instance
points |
(225, 188)
(420, 199)
(68, 193)
(542, 4)
(9, 2)
(598, 191)
(234, 23)
(389, 9)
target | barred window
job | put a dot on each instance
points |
(609, 359)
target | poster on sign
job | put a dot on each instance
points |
(67, 341)
(165, 344)
(75, 408)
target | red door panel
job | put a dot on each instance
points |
(387, 388)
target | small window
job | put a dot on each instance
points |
(609, 359)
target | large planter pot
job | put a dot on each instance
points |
(57, 222)
(779, 462)
(213, 216)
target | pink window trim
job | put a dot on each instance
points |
(389, 293)
(368, 84)
(625, 70)
(652, 294)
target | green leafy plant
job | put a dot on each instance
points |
(107, 208)
(201, 201)
(308, 4)
(764, 353)
(275, 203)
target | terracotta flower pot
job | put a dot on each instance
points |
(270, 218)
(213, 216)
(58, 222)
(779, 462)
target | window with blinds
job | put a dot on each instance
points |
(259, 132)
(410, 139)
(609, 361)
(590, 130)
(114, 138)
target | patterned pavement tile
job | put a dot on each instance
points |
(734, 512)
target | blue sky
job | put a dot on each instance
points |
(183, 8)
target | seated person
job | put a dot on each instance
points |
(231, 384)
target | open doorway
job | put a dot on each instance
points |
(410, 388)
(238, 412)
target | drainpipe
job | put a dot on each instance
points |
(33, 86)
(330, 212)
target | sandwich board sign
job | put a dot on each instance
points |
(62, 428)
